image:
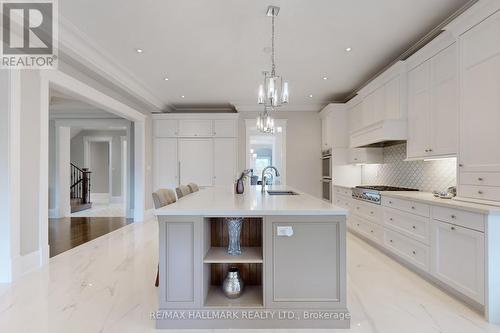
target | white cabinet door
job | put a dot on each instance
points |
(225, 128)
(225, 159)
(165, 163)
(378, 105)
(196, 161)
(444, 99)
(195, 127)
(166, 128)
(480, 97)
(419, 105)
(458, 258)
(366, 156)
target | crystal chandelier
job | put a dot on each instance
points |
(274, 92)
(265, 123)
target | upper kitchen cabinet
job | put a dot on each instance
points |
(433, 100)
(166, 128)
(225, 128)
(195, 127)
(378, 113)
(479, 138)
(333, 126)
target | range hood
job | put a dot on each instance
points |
(380, 134)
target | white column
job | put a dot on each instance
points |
(9, 169)
(139, 169)
(63, 177)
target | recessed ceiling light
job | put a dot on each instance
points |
(325, 78)
(139, 50)
(348, 49)
(166, 79)
(182, 96)
(310, 96)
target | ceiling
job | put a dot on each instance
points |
(213, 51)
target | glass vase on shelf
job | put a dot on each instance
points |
(234, 225)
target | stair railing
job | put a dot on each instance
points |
(80, 183)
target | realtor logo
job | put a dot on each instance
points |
(28, 35)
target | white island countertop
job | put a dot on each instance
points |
(222, 201)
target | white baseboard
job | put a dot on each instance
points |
(103, 198)
(116, 199)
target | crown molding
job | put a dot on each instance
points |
(79, 47)
(286, 108)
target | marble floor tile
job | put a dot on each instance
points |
(106, 285)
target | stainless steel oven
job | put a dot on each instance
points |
(326, 189)
(326, 164)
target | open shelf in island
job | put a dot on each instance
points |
(219, 255)
(250, 298)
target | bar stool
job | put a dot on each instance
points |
(182, 191)
(162, 198)
(193, 187)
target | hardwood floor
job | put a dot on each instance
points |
(69, 232)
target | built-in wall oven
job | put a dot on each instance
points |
(326, 189)
(326, 164)
(326, 175)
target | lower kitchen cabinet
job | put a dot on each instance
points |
(458, 258)
(307, 266)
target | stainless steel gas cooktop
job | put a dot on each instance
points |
(372, 193)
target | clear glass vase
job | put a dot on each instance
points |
(234, 225)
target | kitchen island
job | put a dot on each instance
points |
(293, 261)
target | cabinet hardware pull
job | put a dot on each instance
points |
(390, 218)
(430, 149)
(371, 231)
(452, 228)
(390, 202)
(460, 165)
(453, 217)
(414, 227)
(414, 252)
(427, 150)
(357, 224)
(480, 179)
(480, 192)
(412, 207)
(371, 212)
(390, 240)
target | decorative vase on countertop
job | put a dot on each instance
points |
(240, 187)
(234, 225)
(233, 284)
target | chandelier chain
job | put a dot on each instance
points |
(273, 68)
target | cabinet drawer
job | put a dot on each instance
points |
(342, 201)
(412, 251)
(407, 206)
(413, 226)
(480, 178)
(368, 229)
(459, 217)
(369, 211)
(188, 127)
(480, 192)
(343, 191)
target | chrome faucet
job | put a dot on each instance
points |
(264, 177)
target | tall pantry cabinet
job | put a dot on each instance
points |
(197, 148)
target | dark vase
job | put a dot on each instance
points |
(240, 188)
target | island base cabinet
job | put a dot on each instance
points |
(180, 257)
(305, 265)
(458, 258)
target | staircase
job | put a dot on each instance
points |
(80, 189)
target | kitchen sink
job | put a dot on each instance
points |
(277, 192)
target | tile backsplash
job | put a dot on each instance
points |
(425, 176)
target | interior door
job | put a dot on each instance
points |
(480, 97)
(196, 161)
(224, 161)
(165, 163)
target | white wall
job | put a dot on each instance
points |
(303, 148)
